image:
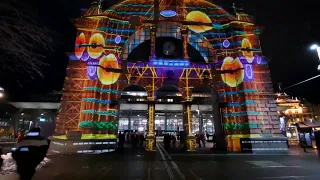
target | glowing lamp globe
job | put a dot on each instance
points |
(314, 47)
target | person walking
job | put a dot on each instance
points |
(303, 142)
(29, 152)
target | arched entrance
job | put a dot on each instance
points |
(161, 70)
(133, 114)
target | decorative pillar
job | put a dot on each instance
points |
(150, 140)
(187, 118)
(154, 28)
(218, 125)
(200, 123)
(153, 31)
(185, 40)
(165, 121)
(129, 118)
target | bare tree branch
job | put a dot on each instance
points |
(22, 41)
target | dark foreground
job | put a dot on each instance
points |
(137, 164)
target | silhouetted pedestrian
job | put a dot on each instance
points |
(29, 153)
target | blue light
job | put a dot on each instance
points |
(168, 13)
(167, 62)
(226, 43)
(117, 39)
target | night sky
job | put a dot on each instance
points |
(290, 27)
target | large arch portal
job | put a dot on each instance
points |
(206, 53)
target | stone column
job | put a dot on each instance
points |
(187, 118)
(185, 40)
(218, 128)
(129, 118)
(150, 140)
(200, 123)
(165, 121)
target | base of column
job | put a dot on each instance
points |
(150, 143)
(191, 143)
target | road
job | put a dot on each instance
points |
(139, 165)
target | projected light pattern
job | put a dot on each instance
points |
(228, 45)
(170, 63)
(248, 71)
(107, 77)
(117, 40)
(235, 78)
(92, 66)
(168, 13)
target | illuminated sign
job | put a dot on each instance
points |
(168, 13)
(42, 120)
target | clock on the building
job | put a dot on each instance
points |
(169, 48)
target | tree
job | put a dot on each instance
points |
(22, 41)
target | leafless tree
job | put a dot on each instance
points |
(22, 41)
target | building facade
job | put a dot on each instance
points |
(169, 65)
(294, 111)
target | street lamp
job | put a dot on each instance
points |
(317, 48)
(1, 92)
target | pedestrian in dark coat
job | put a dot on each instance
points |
(29, 153)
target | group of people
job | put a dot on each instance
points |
(201, 138)
(132, 138)
(168, 140)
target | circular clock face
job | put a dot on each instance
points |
(169, 48)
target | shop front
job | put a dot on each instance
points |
(306, 131)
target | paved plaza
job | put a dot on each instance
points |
(134, 164)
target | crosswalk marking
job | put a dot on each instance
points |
(270, 164)
(266, 164)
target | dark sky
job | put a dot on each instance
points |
(290, 27)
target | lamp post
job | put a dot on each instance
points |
(317, 48)
(1, 92)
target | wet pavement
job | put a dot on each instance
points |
(137, 164)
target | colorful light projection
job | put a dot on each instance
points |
(92, 66)
(117, 40)
(246, 47)
(97, 44)
(79, 45)
(258, 59)
(169, 63)
(249, 74)
(235, 78)
(198, 16)
(108, 77)
(226, 43)
(168, 13)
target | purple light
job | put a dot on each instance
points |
(117, 40)
(258, 59)
(226, 43)
(172, 63)
(248, 71)
(85, 56)
(92, 69)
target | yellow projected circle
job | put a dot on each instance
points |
(97, 45)
(198, 16)
(235, 78)
(105, 77)
(246, 44)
